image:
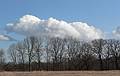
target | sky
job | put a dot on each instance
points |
(79, 18)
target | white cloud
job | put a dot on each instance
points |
(5, 38)
(30, 25)
(116, 32)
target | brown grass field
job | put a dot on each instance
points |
(62, 73)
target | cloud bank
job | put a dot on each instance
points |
(30, 25)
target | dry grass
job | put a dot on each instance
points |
(62, 73)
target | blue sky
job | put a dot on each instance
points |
(103, 14)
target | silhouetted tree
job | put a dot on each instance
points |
(98, 49)
(87, 55)
(29, 47)
(73, 49)
(56, 49)
(39, 49)
(115, 51)
(2, 59)
(21, 51)
(13, 53)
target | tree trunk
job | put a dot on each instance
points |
(29, 64)
(101, 62)
(116, 63)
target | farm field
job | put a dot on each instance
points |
(62, 73)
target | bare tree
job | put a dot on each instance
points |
(115, 51)
(13, 53)
(73, 50)
(47, 55)
(107, 52)
(39, 50)
(20, 48)
(29, 47)
(2, 59)
(98, 49)
(87, 55)
(56, 49)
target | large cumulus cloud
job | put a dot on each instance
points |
(30, 25)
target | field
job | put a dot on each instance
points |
(62, 73)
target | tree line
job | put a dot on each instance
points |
(59, 54)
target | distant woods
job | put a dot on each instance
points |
(56, 54)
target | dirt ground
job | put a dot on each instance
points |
(62, 73)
